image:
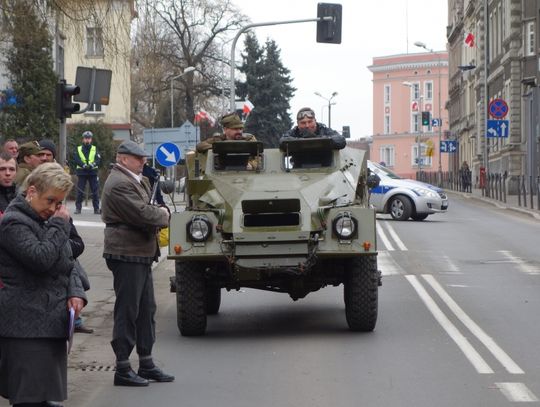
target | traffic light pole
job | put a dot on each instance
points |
(62, 145)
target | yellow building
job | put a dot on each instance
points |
(101, 39)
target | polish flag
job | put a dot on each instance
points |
(203, 115)
(469, 40)
(247, 107)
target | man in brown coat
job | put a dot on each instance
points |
(130, 248)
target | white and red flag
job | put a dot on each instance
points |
(247, 107)
(203, 115)
(469, 40)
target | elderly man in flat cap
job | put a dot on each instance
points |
(31, 155)
(130, 248)
(233, 129)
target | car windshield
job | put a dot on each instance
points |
(379, 169)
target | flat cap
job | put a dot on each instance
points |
(30, 148)
(131, 148)
(232, 121)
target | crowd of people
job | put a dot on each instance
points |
(42, 282)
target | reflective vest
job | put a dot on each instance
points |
(91, 155)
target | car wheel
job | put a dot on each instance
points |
(400, 207)
(190, 299)
(213, 300)
(419, 217)
(360, 291)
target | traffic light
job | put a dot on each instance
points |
(329, 31)
(426, 117)
(64, 105)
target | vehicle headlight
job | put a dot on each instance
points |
(425, 192)
(199, 228)
(344, 225)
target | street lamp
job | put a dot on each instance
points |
(418, 141)
(329, 100)
(186, 71)
(423, 45)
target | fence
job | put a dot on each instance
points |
(492, 186)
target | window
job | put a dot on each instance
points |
(94, 42)
(387, 124)
(425, 161)
(415, 122)
(386, 94)
(386, 155)
(415, 89)
(428, 90)
(95, 108)
(530, 39)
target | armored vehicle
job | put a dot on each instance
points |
(292, 219)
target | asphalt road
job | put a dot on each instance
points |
(457, 326)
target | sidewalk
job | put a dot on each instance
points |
(512, 202)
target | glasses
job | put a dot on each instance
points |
(302, 114)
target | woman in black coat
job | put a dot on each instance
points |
(40, 285)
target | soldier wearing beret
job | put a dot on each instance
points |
(30, 156)
(130, 248)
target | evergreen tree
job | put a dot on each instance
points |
(33, 80)
(268, 87)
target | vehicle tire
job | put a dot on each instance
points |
(400, 207)
(418, 217)
(361, 293)
(213, 300)
(190, 299)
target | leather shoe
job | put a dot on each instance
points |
(52, 404)
(155, 374)
(129, 378)
(83, 330)
(77, 212)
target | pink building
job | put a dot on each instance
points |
(404, 86)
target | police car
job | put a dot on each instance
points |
(405, 198)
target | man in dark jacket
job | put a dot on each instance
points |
(307, 126)
(8, 171)
(87, 160)
(130, 248)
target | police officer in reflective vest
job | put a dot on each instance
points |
(87, 160)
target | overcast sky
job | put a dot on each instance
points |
(370, 29)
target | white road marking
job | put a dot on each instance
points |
(384, 238)
(522, 265)
(470, 353)
(450, 265)
(84, 223)
(483, 337)
(516, 392)
(387, 264)
(395, 236)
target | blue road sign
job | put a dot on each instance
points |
(498, 128)
(436, 122)
(168, 154)
(448, 146)
(498, 108)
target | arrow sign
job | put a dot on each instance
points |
(498, 128)
(448, 146)
(168, 154)
(436, 122)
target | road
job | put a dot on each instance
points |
(457, 327)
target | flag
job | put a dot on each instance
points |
(203, 115)
(469, 40)
(247, 107)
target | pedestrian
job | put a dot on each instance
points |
(12, 147)
(75, 240)
(40, 285)
(30, 156)
(8, 189)
(465, 173)
(130, 248)
(87, 160)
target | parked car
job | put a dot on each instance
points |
(405, 198)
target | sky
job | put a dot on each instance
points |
(370, 29)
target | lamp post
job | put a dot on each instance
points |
(422, 45)
(418, 140)
(186, 71)
(329, 100)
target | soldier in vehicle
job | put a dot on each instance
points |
(232, 131)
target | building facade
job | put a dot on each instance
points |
(493, 57)
(404, 86)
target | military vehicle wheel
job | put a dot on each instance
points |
(419, 217)
(190, 299)
(400, 207)
(213, 300)
(361, 293)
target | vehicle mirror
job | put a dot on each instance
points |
(373, 181)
